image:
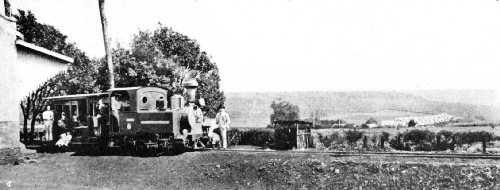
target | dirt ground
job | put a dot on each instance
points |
(242, 170)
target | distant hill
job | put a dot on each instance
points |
(353, 106)
(477, 97)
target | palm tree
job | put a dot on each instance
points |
(107, 47)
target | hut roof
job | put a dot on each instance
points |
(291, 122)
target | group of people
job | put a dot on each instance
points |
(64, 128)
(197, 118)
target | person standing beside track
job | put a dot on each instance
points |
(48, 119)
(222, 120)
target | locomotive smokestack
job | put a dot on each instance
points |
(191, 86)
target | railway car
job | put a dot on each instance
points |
(133, 119)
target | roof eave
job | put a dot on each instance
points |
(75, 96)
(44, 51)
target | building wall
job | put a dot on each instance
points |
(9, 96)
(35, 68)
(21, 71)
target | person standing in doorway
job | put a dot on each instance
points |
(222, 120)
(115, 109)
(48, 119)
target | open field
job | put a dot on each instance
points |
(243, 170)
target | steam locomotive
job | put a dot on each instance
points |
(133, 118)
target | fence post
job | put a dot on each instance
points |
(484, 146)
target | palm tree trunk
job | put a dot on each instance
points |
(107, 47)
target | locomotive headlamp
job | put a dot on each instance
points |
(191, 86)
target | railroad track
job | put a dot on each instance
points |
(378, 154)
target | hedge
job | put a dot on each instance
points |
(426, 140)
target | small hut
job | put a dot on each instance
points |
(293, 134)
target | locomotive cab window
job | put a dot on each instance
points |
(122, 100)
(152, 101)
(160, 103)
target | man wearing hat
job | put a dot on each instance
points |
(222, 120)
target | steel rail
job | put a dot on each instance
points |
(377, 154)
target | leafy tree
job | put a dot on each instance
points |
(371, 121)
(209, 90)
(353, 136)
(165, 58)
(412, 123)
(420, 137)
(79, 78)
(283, 110)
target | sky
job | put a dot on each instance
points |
(295, 45)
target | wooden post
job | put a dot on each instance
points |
(484, 146)
(297, 136)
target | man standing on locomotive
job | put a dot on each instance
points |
(222, 120)
(48, 119)
(115, 107)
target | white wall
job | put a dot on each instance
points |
(35, 68)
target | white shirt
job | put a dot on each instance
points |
(48, 115)
(222, 118)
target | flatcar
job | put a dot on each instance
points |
(132, 118)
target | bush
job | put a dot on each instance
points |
(327, 141)
(263, 138)
(353, 136)
(256, 137)
(383, 137)
(412, 123)
(443, 140)
(397, 142)
(422, 138)
(371, 121)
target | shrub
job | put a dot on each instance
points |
(397, 142)
(422, 138)
(412, 123)
(353, 136)
(374, 139)
(371, 121)
(383, 137)
(256, 137)
(328, 141)
(364, 126)
(444, 141)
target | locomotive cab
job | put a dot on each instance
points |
(140, 110)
